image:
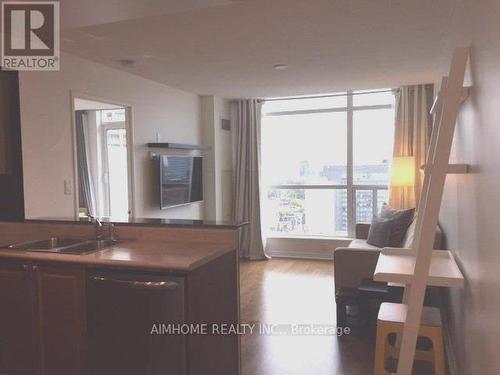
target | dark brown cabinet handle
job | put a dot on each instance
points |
(134, 284)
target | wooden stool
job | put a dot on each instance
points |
(391, 319)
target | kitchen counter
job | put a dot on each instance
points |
(148, 222)
(155, 273)
(173, 256)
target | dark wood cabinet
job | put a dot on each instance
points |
(7, 83)
(62, 320)
(18, 334)
(212, 293)
(42, 319)
(65, 319)
(11, 168)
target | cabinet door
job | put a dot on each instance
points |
(11, 169)
(8, 84)
(122, 309)
(61, 301)
(17, 320)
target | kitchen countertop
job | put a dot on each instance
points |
(171, 256)
(147, 222)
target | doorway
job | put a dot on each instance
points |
(102, 139)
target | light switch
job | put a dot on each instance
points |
(68, 188)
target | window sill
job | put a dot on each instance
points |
(309, 237)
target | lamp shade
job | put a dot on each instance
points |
(403, 171)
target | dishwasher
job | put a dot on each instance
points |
(122, 309)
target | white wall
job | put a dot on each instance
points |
(47, 132)
(218, 160)
(223, 160)
(470, 212)
(208, 136)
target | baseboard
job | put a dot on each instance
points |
(449, 348)
(300, 255)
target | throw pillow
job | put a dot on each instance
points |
(402, 220)
(380, 232)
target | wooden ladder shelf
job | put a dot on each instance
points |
(445, 109)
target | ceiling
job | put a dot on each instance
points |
(228, 48)
(80, 13)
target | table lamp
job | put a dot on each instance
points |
(403, 171)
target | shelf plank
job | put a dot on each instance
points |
(179, 146)
(397, 266)
(458, 168)
(453, 168)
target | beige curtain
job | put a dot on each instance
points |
(246, 195)
(411, 138)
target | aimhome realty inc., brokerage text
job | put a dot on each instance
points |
(249, 329)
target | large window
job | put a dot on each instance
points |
(325, 162)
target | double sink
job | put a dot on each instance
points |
(64, 245)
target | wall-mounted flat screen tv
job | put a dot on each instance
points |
(181, 180)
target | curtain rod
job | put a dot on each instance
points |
(326, 96)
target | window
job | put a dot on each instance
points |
(113, 115)
(115, 184)
(325, 162)
(117, 171)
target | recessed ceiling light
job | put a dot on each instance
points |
(126, 62)
(95, 36)
(280, 66)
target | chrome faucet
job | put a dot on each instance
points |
(99, 226)
(111, 232)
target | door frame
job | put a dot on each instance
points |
(129, 124)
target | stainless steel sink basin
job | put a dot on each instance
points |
(89, 246)
(64, 245)
(47, 244)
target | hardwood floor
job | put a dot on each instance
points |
(282, 291)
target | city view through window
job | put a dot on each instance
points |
(325, 162)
